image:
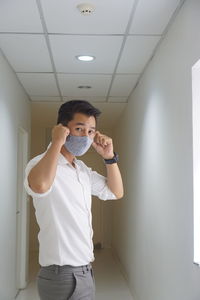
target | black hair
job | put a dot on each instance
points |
(68, 109)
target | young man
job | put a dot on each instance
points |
(61, 187)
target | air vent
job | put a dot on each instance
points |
(86, 9)
(84, 87)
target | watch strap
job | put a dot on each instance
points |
(113, 160)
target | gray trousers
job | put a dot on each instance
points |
(66, 283)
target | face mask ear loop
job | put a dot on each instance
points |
(68, 137)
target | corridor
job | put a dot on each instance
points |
(110, 283)
(138, 63)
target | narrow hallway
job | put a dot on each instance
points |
(110, 283)
(135, 61)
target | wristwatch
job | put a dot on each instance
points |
(112, 160)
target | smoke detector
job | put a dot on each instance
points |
(86, 9)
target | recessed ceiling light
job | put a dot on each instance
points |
(85, 57)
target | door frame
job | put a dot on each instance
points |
(22, 213)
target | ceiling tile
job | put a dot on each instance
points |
(45, 99)
(117, 99)
(105, 19)
(69, 85)
(39, 84)
(19, 16)
(26, 53)
(151, 17)
(88, 98)
(136, 53)
(65, 48)
(123, 85)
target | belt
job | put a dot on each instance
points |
(68, 269)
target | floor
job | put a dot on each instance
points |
(110, 283)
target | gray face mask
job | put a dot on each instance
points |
(78, 145)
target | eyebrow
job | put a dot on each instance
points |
(84, 125)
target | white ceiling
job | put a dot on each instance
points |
(41, 38)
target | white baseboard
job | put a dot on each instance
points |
(123, 271)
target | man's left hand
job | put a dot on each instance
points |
(103, 145)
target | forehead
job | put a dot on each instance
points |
(82, 118)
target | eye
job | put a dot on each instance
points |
(79, 129)
(91, 132)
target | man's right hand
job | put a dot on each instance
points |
(43, 173)
(59, 134)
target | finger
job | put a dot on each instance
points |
(95, 145)
(98, 139)
(103, 141)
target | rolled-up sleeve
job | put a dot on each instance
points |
(28, 189)
(100, 187)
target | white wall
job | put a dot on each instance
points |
(14, 113)
(153, 224)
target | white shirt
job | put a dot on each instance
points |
(64, 214)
